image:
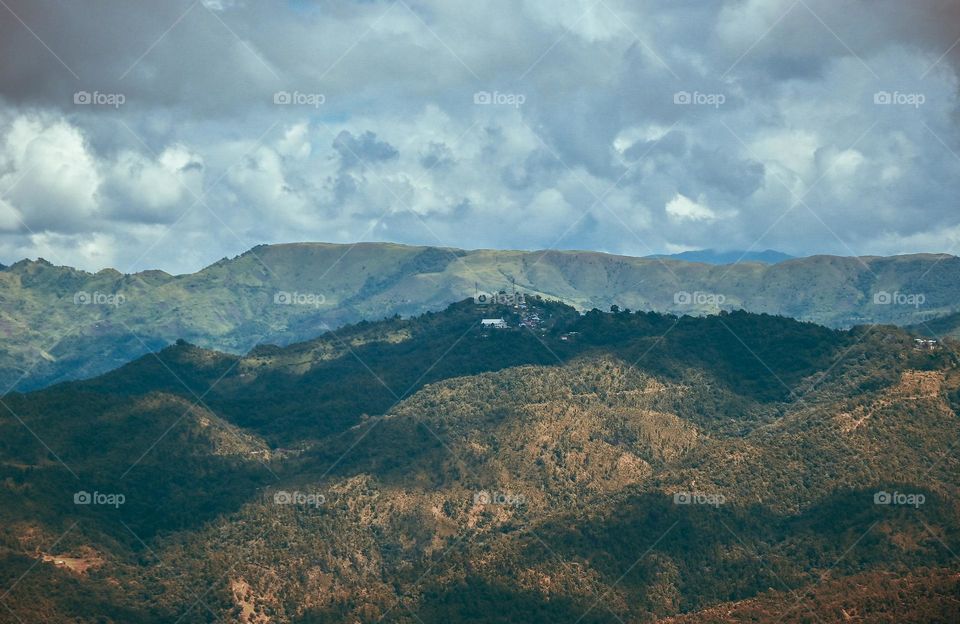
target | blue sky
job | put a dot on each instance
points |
(168, 135)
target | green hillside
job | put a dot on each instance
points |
(593, 468)
(59, 323)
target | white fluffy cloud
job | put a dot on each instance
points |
(53, 178)
(147, 189)
(682, 208)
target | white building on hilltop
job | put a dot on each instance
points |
(497, 323)
(925, 344)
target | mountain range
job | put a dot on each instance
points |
(60, 323)
(607, 466)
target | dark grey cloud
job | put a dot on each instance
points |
(714, 168)
(362, 149)
(436, 156)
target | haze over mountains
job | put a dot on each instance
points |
(60, 323)
(579, 468)
(712, 256)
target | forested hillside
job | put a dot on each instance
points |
(593, 468)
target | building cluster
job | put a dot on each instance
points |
(925, 344)
(530, 317)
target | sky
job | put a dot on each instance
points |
(138, 134)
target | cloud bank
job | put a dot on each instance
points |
(168, 135)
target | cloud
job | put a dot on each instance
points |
(149, 190)
(53, 177)
(296, 142)
(363, 149)
(436, 155)
(682, 208)
(10, 219)
(786, 140)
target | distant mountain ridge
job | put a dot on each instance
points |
(712, 256)
(61, 323)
